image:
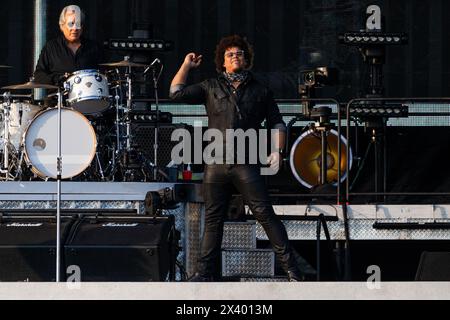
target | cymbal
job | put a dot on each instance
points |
(30, 85)
(125, 81)
(124, 63)
(3, 66)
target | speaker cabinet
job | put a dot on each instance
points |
(121, 248)
(144, 138)
(434, 266)
(28, 247)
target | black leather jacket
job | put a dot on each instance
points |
(228, 108)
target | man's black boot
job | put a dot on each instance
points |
(295, 276)
(198, 277)
(304, 268)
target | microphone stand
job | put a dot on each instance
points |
(58, 178)
(6, 110)
(155, 145)
(155, 88)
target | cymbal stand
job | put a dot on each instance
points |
(117, 146)
(134, 163)
(124, 152)
(6, 115)
(129, 106)
(155, 145)
(128, 174)
(118, 143)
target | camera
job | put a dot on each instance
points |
(319, 77)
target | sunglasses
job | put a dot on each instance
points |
(238, 54)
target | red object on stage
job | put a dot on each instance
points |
(187, 174)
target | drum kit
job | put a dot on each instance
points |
(95, 133)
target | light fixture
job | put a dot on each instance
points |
(366, 38)
(306, 154)
(377, 110)
(139, 44)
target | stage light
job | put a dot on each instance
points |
(139, 44)
(391, 111)
(357, 38)
(305, 158)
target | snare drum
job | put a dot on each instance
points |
(88, 92)
(78, 143)
(20, 116)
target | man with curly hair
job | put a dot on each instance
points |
(235, 100)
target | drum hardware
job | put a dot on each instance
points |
(102, 176)
(117, 146)
(9, 111)
(129, 160)
(16, 116)
(5, 109)
(30, 85)
(4, 67)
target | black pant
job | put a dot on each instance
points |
(217, 192)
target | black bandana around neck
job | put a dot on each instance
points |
(236, 77)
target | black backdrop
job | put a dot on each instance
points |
(288, 36)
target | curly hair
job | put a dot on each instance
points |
(229, 42)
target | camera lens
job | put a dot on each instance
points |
(309, 78)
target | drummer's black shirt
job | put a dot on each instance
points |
(56, 59)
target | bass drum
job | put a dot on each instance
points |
(78, 143)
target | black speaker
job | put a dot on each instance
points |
(122, 248)
(144, 139)
(28, 247)
(434, 266)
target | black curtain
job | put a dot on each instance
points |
(288, 36)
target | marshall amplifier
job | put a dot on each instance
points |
(127, 248)
(434, 266)
(28, 247)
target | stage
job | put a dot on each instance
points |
(243, 257)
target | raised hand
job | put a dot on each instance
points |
(192, 60)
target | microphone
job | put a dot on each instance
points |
(152, 65)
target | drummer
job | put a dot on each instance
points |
(69, 52)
